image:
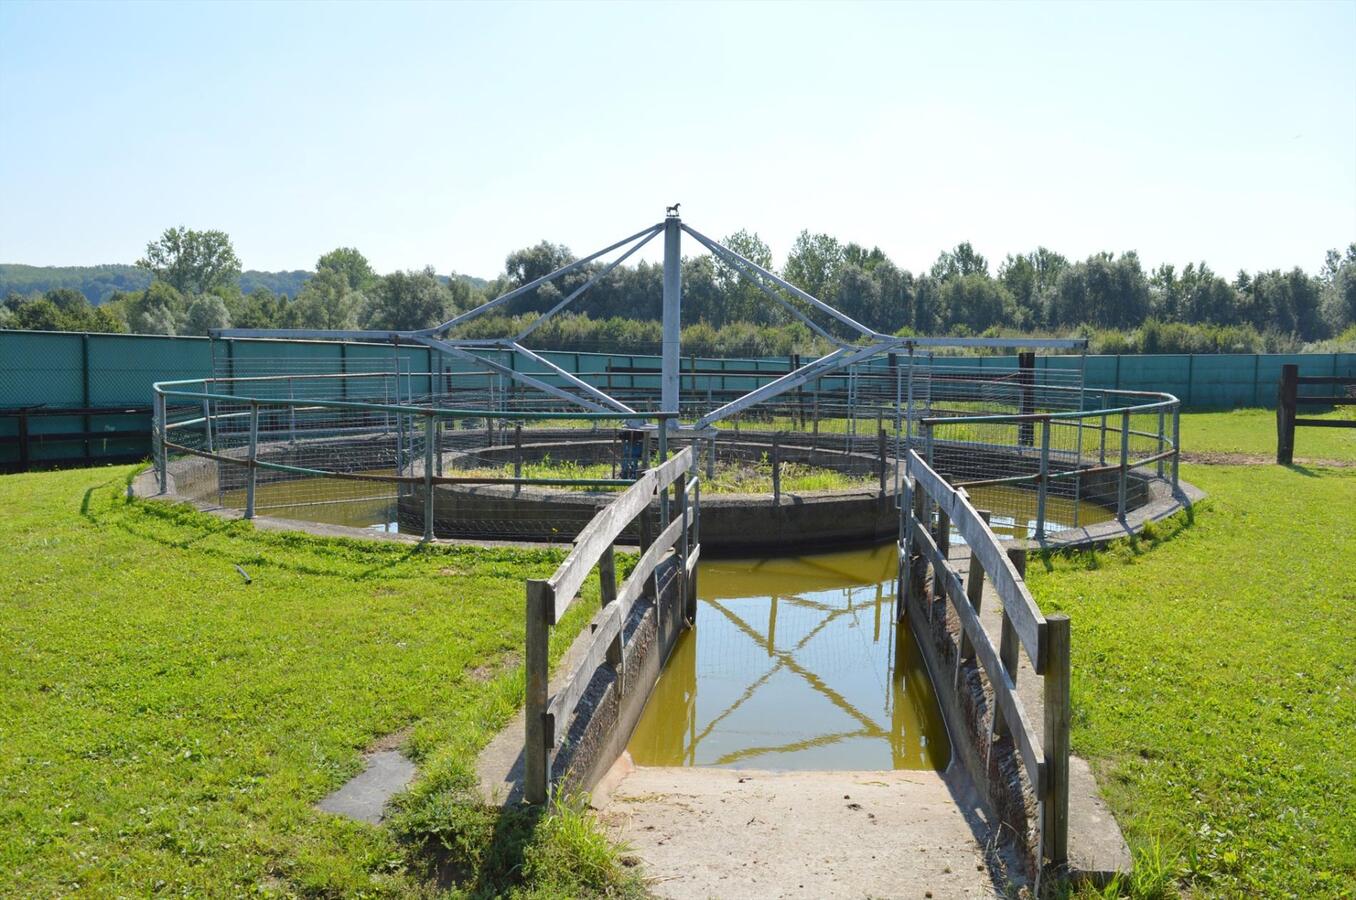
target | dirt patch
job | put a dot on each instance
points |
(1221, 458)
(393, 741)
(485, 671)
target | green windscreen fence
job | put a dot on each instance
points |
(108, 378)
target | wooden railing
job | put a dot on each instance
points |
(547, 600)
(1045, 639)
(1288, 399)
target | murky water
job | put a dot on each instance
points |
(1012, 511)
(330, 501)
(795, 664)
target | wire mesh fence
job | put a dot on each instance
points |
(370, 439)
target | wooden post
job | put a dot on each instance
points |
(943, 538)
(607, 590)
(161, 468)
(1058, 715)
(917, 562)
(680, 490)
(1285, 414)
(541, 605)
(1008, 646)
(974, 592)
(1026, 379)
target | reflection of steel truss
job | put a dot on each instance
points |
(785, 660)
(863, 344)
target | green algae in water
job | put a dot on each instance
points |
(795, 664)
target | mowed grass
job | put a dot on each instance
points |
(165, 727)
(1253, 432)
(1215, 679)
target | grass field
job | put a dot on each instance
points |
(1215, 680)
(165, 727)
(1253, 432)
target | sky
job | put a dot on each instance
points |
(452, 134)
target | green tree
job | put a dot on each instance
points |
(963, 260)
(1339, 289)
(408, 300)
(813, 264)
(328, 301)
(160, 309)
(975, 303)
(350, 265)
(193, 262)
(205, 313)
(744, 302)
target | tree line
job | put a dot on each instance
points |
(195, 284)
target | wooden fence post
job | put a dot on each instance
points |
(607, 590)
(974, 592)
(517, 456)
(541, 606)
(943, 537)
(1058, 715)
(1008, 645)
(1285, 414)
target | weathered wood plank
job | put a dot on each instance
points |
(610, 521)
(1026, 616)
(1004, 688)
(605, 628)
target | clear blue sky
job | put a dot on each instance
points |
(451, 134)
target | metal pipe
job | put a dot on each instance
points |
(161, 464)
(1176, 444)
(251, 477)
(429, 425)
(1043, 486)
(1125, 459)
(673, 306)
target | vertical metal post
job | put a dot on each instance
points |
(161, 466)
(251, 475)
(428, 475)
(1043, 488)
(673, 304)
(881, 451)
(541, 605)
(776, 468)
(291, 412)
(207, 423)
(1161, 437)
(1058, 715)
(517, 456)
(1176, 443)
(1101, 454)
(1125, 464)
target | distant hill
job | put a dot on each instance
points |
(286, 283)
(98, 283)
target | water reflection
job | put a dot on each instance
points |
(330, 501)
(795, 664)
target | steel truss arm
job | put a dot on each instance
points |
(735, 262)
(560, 393)
(791, 288)
(541, 320)
(832, 362)
(519, 291)
(571, 378)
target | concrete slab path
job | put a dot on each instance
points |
(729, 833)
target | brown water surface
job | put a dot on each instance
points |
(794, 664)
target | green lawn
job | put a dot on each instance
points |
(1215, 679)
(1253, 432)
(165, 727)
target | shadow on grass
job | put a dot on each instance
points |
(1303, 470)
(1151, 536)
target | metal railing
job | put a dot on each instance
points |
(1068, 464)
(547, 716)
(292, 428)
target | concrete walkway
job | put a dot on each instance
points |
(728, 833)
